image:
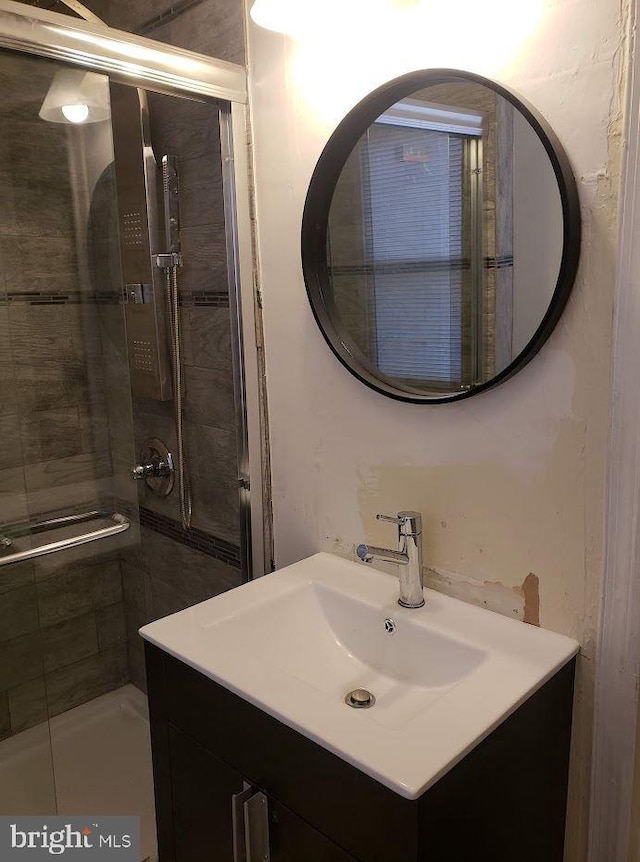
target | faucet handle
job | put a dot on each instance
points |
(410, 523)
(392, 519)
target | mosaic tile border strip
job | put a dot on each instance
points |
(201, 299)
(215, 298)
(419, 266)
(193, 538)
(60, 297)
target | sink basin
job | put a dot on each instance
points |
(296, 642)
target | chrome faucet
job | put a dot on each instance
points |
(408, 556)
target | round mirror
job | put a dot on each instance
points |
(440, 236)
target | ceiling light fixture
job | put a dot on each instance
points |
(76, 97)
(294, 17)
(278, 15)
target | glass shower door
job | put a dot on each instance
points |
(26, 766)
(67, 504)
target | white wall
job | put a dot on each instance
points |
(510, 482)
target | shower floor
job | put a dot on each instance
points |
(101, 760)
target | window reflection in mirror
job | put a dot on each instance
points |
(445, 238)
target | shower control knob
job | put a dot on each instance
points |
(151, 471)
(156, 468)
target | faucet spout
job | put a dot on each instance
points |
(408, 556)
(373, 552)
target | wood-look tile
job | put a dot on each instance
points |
(37, 208)
(134, 558)
(7, 398)
(27, 704)
(213, 518)
(69, 641)
(10, 444)
(77, 683)
(67, 471)
(183, 127)
(215, 28)
(201, 194)
(5, 718)
(78, 590)
(210, 330)
(134, 620)
(49, 384)
(32, 262)
(166, 599)
(20, 660)
(134, 586)
(124, 15)
(13, 498)
(111, 624)
(204, 248)
(191, 575)
(154, 423)
(16, 575)
(49, 434)
(209, 397)
(18, 612)
(27, 137)
(66, 332)
(137, 669)
(216, 498)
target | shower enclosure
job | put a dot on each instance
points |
(87, 555)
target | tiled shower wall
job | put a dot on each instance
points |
(169, 568)
(62, 623)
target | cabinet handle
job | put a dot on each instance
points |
(250, 825)
(256, 828)
(238, 822)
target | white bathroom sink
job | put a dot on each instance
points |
(296, 642)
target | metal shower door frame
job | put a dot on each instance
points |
(134, 60)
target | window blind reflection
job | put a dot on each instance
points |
(415, 247)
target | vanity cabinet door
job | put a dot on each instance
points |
(202, 788)
(294, 840)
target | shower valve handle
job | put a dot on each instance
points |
(153, 470)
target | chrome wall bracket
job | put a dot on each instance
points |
(168, 261)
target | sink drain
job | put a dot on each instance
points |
(360, 698)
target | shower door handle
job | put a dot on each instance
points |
(119, 525)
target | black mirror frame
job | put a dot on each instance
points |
(316, 215)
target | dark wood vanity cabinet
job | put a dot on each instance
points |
(504, 802)
(202, 788)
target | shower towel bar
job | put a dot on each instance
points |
(119, 525)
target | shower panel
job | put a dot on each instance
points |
(140, 232)
(151, 256)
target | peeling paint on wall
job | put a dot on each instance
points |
(531, 592)
(521, 602)
(508, 601)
